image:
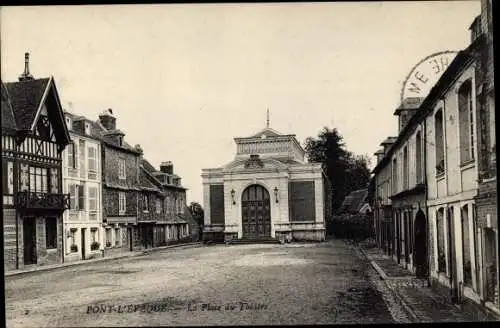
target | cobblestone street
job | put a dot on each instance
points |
(282, 284)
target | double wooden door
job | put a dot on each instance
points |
(256, 212)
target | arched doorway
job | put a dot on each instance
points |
(421, 244)
(256, 212)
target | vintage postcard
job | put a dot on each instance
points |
(225, 164)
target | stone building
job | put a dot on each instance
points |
(82, 176)
(34, 135)
(162, 203)
(267, 191)
(486, 199)
(120, 182)
(451, 130)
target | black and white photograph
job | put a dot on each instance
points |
(235, 164)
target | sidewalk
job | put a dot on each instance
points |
(102, 259)
(421, 303)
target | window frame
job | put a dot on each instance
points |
(122, 203)
(90, 198)
(122, 170)
(92, 159)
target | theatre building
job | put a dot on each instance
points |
(34, 134)
(267, 191)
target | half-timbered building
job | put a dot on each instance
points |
(34, 135)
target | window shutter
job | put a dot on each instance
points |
(216, 204)
(302, 201)
(81, 197)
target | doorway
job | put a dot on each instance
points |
(256, 212)
(421, 244)
(29, 239)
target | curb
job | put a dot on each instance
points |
(102, 259)
(407, 308)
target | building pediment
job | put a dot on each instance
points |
(254, 163)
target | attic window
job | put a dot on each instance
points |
(87, 128)
(43, 127)
(68, 123)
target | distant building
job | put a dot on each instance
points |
(163, 214)
(34, 135)
(356, 203)
(267, 191)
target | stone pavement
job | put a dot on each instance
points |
(101, 259)
(421, 303)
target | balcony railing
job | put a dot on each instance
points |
(27, 200)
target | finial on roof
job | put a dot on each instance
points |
(267, 120)
(26, 74)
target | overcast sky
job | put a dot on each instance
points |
(184, 80)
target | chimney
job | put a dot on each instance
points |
(380, 154)
(167, 167)
(107, 119)
(475, 29)
(26, 74)
(138, 148)
(406, 110)
(387, 143)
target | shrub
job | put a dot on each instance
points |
(94, 246)
(358, 227)
(73, 248)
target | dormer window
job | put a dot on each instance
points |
(68, 123)
(87, 128)
(120, 141)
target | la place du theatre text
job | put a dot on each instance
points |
(164, 307)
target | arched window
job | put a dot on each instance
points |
(418, 159)
(466, 122)
(439, 142)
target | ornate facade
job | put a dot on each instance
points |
(267, 191)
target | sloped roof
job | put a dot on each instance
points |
(268, 132)
(25, 98)
(8, 120)
(354, 201)
(145, 181)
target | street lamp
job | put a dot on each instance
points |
(276, 194)
(232, 196)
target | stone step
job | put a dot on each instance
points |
(254, 240)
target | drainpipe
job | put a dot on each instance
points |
(427, 228)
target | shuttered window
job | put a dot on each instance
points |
(301, 201)
(217, 204)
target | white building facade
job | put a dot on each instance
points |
(83, 228)
(267, 191)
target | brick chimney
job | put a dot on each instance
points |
(26, 74)
(107, 119)
(167, 167)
